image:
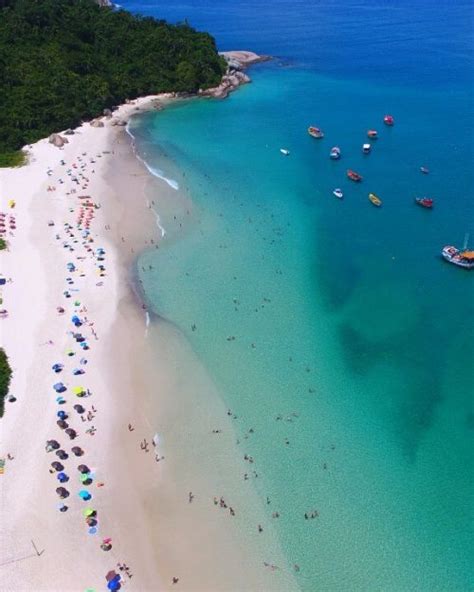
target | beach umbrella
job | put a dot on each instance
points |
(59, 387)
(85, 479)
(114, 585)
(84, 345)
(111, 575)
(83, 469)
(62, 492)
(79, 391)
(88, 512)
(62, 508)
(79, 408)
(62, 414)
(84, 494)
(62, 424)
(77, 451)
(71, 433)
(92, 530)
(106, 547)
(60, 400)
(52, 444)
(62, 454)
(57, 466)
(62, 477)
(69, 352)
(91, 521)
(57, 368)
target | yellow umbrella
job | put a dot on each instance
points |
(79, 391)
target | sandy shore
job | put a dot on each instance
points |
(140, 496)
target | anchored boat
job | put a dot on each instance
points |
(338, 193)
(366, 148)
(460, 257)
(315, 132)
(424, 202)
(372, 134)
(388, 120)
(424, 170)
(335, 153)
(353, 176)
(285, 152)
(375, 200)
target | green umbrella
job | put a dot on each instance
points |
(88, 512)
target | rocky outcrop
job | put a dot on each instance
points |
(107, 113)
(118, 122)
(97, 123)
(57, 140)
(105, 3)
(237, 62)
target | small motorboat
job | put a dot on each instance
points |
(335, 153)
(424, 170)
(315, 132)
(366, 148)
(353, 176)
(388, 120)
(424, 202)
(372, 134)
(338, 193)
(375, 200)
(284, 151)
(461, 258)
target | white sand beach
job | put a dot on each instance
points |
(139, 494)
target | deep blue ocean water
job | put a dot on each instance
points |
(336, 311)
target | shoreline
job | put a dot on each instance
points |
(147, 498)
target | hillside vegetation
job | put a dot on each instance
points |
(62, 61)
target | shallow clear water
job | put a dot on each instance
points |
(336, 311)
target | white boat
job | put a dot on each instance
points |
(366, 148)
(284, 151)
(335, 153)
(338, 193)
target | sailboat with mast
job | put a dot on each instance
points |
(460, 257)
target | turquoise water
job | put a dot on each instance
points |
(338, 316)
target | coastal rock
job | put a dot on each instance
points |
(119, 122)
(105, 3)
(107, 113)
(57, 140)
(97, 123)
(69, 132)
(237, 61)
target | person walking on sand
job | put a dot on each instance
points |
(190, 496)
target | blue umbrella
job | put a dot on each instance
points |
(84, 494)
(114, 585)
(92, 530)
(62, 477)
(57, 367)
(83, 361)
(62, 414)
(60, 400)
(59, 387)
(77, 371)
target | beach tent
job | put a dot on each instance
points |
(62, 454)
(52, 444)
(79, 408)
(62, 424)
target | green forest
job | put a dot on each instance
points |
(64, 61)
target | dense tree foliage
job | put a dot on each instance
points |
(62, 61)
(5, 374)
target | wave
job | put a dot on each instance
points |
(154, 171)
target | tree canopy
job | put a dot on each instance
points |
(63, 61)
